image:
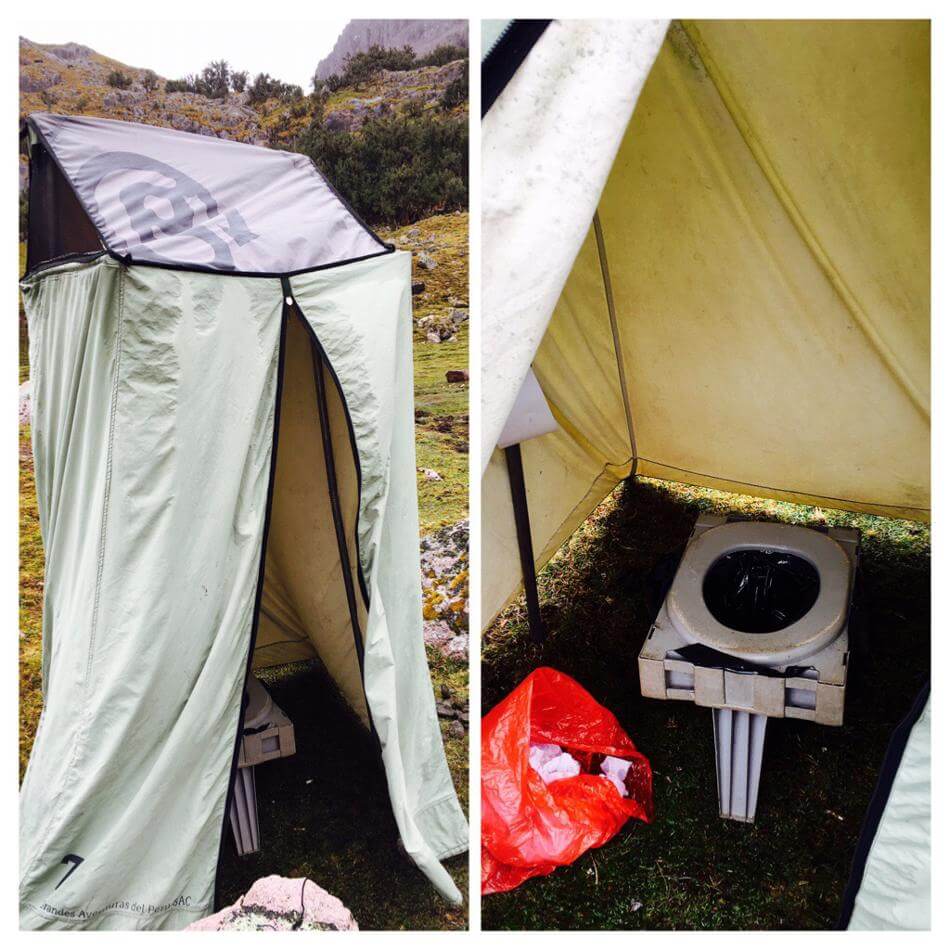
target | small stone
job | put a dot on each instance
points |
(433, 336)
(431, 475)
(418, 286)
(456, 730)
(446, 692)
(456, 376)
(424, 260)
(444, 711)
(458, 316)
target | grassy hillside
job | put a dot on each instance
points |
(441, 407)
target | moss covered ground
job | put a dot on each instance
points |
(689, 869)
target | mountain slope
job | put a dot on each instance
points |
(74, 80)
(422, 35)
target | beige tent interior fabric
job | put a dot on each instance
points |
(304, 610)
(766, 226)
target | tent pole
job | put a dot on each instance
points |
(615, 332)
(519, 501)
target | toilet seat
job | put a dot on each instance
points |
(691, 617)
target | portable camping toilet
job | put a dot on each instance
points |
(709, 242)
(223, 439)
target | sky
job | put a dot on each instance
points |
(287, 50)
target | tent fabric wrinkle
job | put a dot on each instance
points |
(895, 889)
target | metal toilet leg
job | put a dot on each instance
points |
(739, 738)
(244, 812)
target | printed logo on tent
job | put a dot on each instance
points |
(161, 202)
(72, 859)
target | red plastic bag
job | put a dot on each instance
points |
(529, 828)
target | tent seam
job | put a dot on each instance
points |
(787, 491)
(810, 239)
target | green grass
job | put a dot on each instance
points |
(442, 432)
(441, 407)
(31, 603)
(689, 869)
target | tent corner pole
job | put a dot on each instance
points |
(519, 501)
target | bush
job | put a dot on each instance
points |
(178, 85)
(239, 80)
(118, 79)
(266, 87)
(334, 82)
(456, 92)
(447, 53)
(359, 67)
(396, 169)
(215, 80)
(150, 80)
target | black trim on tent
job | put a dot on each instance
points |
(288, 292)
(506, 56)
(35, 267)
(519, 501)
(256, 620)
(320, 361)
(882, 792)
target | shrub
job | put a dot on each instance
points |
(397, 169)
(178, 85)
(447, 53)
(359, 67)
(266, 87)
(118, 79)
(150, 80)
(456, 92)
(334, 82)
(215, 80)
(239, 80)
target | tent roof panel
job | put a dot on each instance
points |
(161, 196)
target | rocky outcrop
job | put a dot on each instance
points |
(422, 35)
(72, 79)
(393, 92)
(445, 590)
(281, 903)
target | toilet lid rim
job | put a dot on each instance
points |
(808, 635)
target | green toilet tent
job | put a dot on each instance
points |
(223, 438)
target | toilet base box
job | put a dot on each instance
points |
(812, 688)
